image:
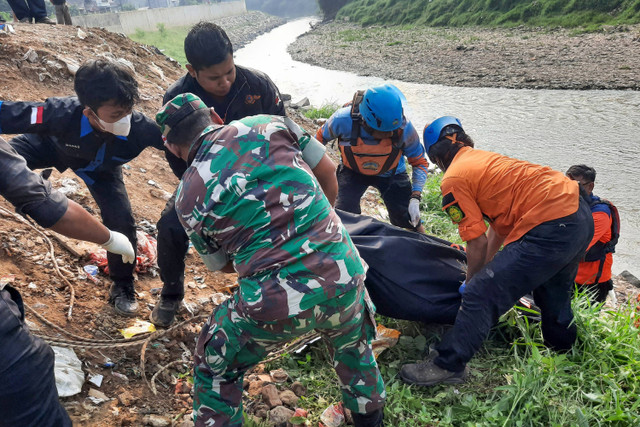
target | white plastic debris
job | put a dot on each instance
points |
(97, 397)
(96, 379)
(68, 372)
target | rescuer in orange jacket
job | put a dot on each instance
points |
(542, 221)
(594, 272)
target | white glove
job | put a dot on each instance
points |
(414, 212)
(119, 244)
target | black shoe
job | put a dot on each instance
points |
(427, 373)
(165, 311)
(26, 20)
(45, 20)
(371, 419)
(123, 298)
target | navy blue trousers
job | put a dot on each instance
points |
(394, 190)
(28, 8)
(28, 394)
(173, 244)
(543, 262)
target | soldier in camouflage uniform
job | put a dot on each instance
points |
(249, 202)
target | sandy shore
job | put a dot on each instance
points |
(510, 58)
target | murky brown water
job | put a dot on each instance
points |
(550, 127)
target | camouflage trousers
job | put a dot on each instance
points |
(230, 344)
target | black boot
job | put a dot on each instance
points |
(165, 311)
(123, 298)
(371, 419)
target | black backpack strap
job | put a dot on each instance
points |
(600, 268)
(352, 164)
(356, 117)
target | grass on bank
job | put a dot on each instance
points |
(169, 40)
(545, 13)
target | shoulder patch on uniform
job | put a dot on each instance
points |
(447, 199)
(455, 213)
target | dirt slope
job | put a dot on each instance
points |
(38, 61)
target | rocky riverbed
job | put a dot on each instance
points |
(479, 57)
(243, 29)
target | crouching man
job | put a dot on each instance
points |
(545, 226)
(251, 204)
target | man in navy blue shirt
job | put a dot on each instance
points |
(93, 134)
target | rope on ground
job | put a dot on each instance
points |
(90, 344)
(77, 338)
(51, 253)
(292, 346)
(153, 336)
(168, 365)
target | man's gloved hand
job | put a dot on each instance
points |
(119, 244)
(462, 287)
(414, 212)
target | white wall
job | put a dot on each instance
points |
(147, 19)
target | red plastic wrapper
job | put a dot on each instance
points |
(146, 259)
(333, 416)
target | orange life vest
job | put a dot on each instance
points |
(369, 159)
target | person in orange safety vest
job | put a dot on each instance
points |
(594, 272)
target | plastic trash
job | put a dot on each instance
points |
(68, 372)
(333, 416)
(146, 259)
(91, 271)
(139, 327)
(96, 379)
(97, 397)
(123, 377)
(385, 338)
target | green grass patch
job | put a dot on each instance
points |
(169, 40)
(323, 112)
(436, 222)
(514, 381)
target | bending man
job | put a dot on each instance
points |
(545, 226)
(250, 204)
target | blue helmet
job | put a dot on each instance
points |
(432, 132)
(381, 108)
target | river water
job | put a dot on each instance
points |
(557, 128)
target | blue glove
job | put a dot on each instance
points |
(462, 287)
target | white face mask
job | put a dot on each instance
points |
(121, 128)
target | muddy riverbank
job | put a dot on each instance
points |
(478, 57)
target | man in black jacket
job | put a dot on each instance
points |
(28, 396)
(94, 135)
(234, 92)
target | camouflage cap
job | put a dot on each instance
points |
(174, 111)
